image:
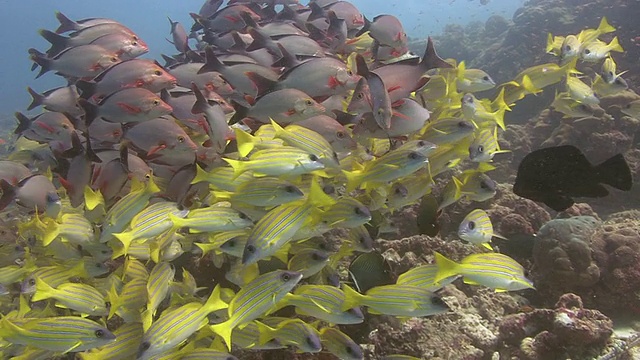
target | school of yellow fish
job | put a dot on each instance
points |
(222, 159)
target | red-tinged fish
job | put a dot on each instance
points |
(84, 61)
(209, 8)
(116, 168)
(182, 103)
(160, 136)
(83, 36)
(217, 126)
(127, 74)
(378, 95)
(403, 78)
(127, 105)
(180, 190)
(236, 74)
(407, 118)
(179, 36)
(226, 19)
(298, 45)
(361, 98)
(334, 132)
(79, 173)
(387, 30)
(35, 192)
(284, 106)
(186, 74)
(48, 126)
(348, 12)
(274, 29)
(67, 24)
(319, 78)
(13, 172)
(123, 45)
(63, 99)
(105, 133)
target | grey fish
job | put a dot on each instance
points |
(217, 126)
(83, 36)
(123, 45)
(84, 61)
(403, 78)
(131, 73)
(380, 101)
(67, 24)
(179, 36)
(62, 99)
(127, 105)
(321, 77)
(188, 73)
(33, 192)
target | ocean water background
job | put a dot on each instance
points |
(20, 21)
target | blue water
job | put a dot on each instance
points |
(21, 19)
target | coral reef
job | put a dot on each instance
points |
(567, 331)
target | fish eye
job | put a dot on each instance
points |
(308, 102)
(462, 124)
(181, 139)
(310, 341)
(484, 185)
(99, 333)
(437, 301)
(290, 189)
(250, 248)
(232, 243)
(349, 350)
(315, 257)
(480, 148)
(413, 155)
(587, 51)
(398, 190)
(357, 211)
(285, 277)
(471, 225)
(65, 126)
(156, 102)
(313, 157)
(485, 78)
(157, 72)
(145, 346)
(610, 73)
(113, 59)
(360, 96)
(134, 43)
(380, 111)
(32, 282)
(567, 48)
(340, 135)
(242, 216)
(349, 72)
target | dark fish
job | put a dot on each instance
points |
(428, 216)
(370, 270)
(556, 175)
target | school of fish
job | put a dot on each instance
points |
(275, 128)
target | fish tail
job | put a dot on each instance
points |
(487, 245)
(431, 60)
(238, 166)
(549, 48)
(446, 267)
(66, 24)
(114, 300)
(90, 110)
(177, 221)
(43, 291)
(23, 123)
(246, 142)
(353, 179)
(615, 172)
(212, 63)
(614, 45)
(154, 251)
(201, 175)
(8, 194)
(51, 233)
(604, 27)
(266, 333)
(224, 330)
(87, 88)
(125, 238)
(221, 195)
(36, 99)
(214, 302)
(352, 298)
(527, 84)
(58, 42)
